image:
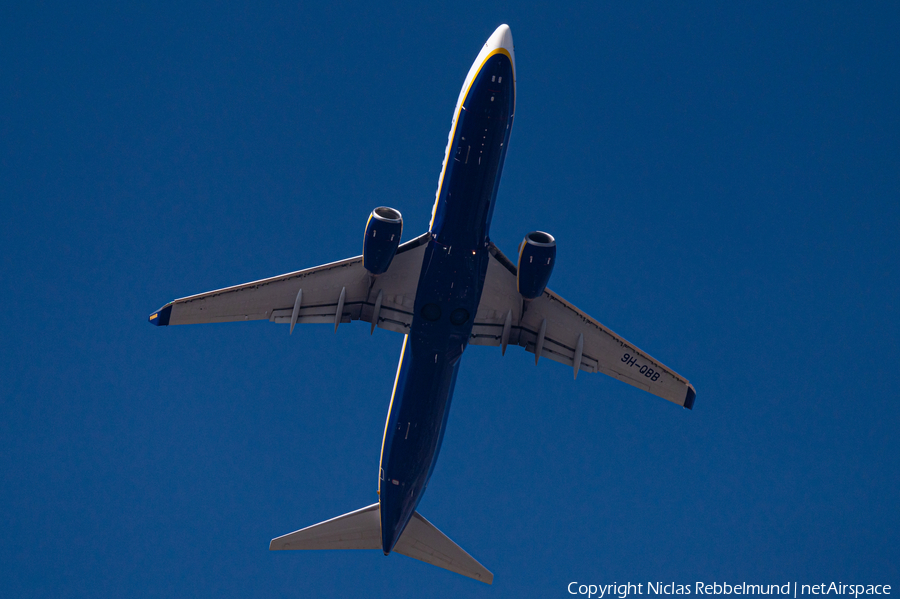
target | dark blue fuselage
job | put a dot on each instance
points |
(448, 293)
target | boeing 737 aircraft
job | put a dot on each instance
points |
(446, 289)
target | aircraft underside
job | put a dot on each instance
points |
(444, 290)
(448, 294)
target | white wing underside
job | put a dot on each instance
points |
(273, 299)
(601, 349)
(566, 328)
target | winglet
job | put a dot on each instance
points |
(161, 317)
(689, 398)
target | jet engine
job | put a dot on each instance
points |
(382, 238)
(536, 255)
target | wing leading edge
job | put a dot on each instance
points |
(551, 327)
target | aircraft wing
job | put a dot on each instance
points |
(551, 327)
(333, 293)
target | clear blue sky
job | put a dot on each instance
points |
(723, 183)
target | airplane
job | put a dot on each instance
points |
(444, 290)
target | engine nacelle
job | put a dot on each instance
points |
(536, 256)
(382, 238)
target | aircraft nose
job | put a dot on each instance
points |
(501, 38)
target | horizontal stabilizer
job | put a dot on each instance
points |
(362, 530)
(357, 530)
(422, 540)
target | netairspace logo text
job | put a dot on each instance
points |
(791, 589)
